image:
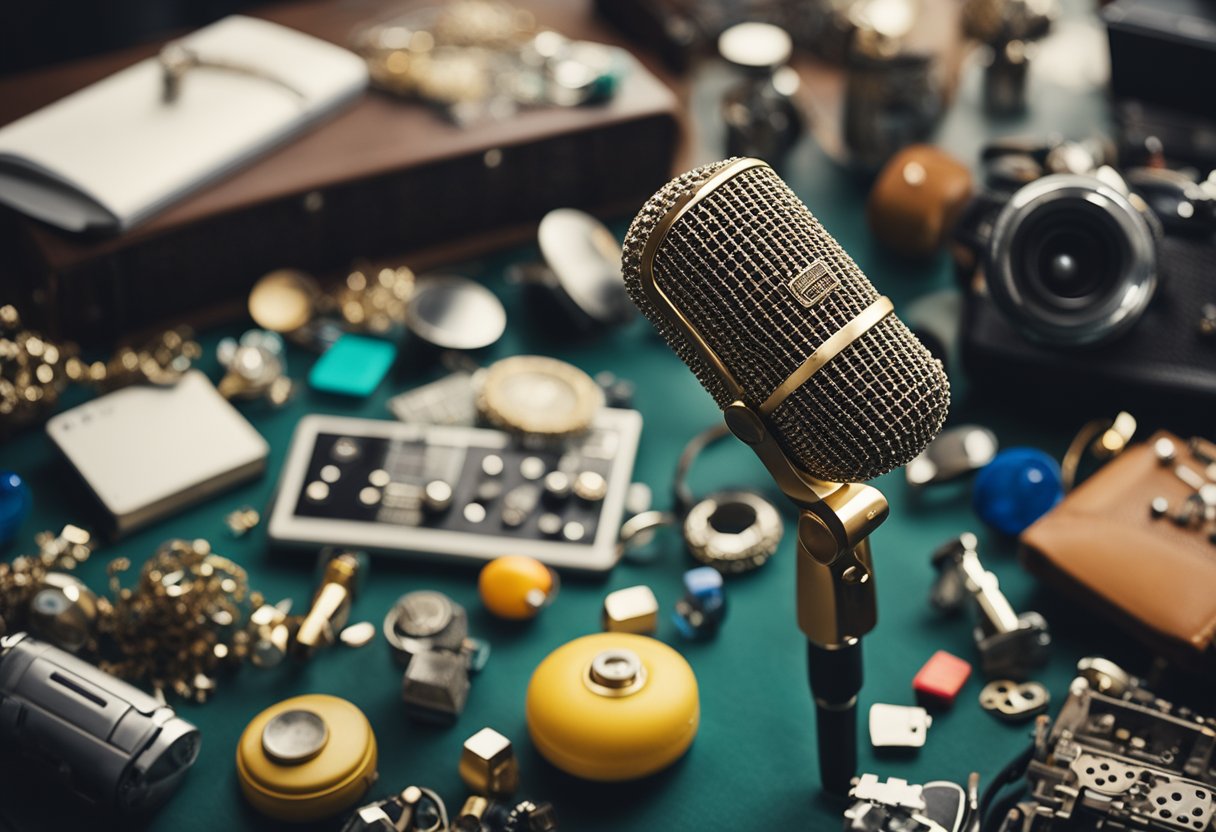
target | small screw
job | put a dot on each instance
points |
(1165, 450)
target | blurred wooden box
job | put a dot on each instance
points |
(382, 178)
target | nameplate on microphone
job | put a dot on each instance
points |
(813, 284)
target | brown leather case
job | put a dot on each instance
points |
(382, 178)
(1155, 579)
(916, 199)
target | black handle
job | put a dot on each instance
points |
(836, 677)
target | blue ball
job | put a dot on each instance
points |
(1019, 486)
(15, 502)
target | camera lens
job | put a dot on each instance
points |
(1071, 261)
(1069, 254)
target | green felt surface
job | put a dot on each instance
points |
(753, 764)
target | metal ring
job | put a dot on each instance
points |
(1105, 438)
(403, 646)
(602, 679)
(729, 550)
(635, 529)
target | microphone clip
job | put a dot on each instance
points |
(835, 584)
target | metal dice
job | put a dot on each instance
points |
(490, 771)
(428, 634)
(488, 766)
(701, 611)
(631, 610)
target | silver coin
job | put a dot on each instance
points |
(423, 613)
(455, 313)
(294, 737)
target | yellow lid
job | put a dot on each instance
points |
(331, 775)
(625, 727)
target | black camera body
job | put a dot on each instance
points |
(1077, 297)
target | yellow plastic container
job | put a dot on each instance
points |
(620, 723)
(335, 779)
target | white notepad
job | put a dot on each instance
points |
(147, 452)
(115, 153)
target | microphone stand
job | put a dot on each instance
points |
(835, 585)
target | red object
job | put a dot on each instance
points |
(940, 680)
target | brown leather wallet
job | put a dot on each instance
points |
(1155, 578)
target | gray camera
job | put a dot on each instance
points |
(1078, 292)
(116, 746)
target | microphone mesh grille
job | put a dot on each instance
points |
(726, 265)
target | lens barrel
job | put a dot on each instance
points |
(1071, 261)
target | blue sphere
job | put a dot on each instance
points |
(1019, 486)
(15, 502)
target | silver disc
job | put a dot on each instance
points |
(423, 613)
(294, 737)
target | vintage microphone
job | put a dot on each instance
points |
(811, 369)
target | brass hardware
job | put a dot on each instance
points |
(242, 520)
(488, 766)
(615, 673)
(744, 423)
(865, 320)
(631, 610)
(1103, 438)
(1013, 701)
(814, 284)
(836, 601)
(330, 606)
(190, 604)
(271, 630)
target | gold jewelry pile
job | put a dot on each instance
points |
(375, 303)
(35, 371)
(26, 575)
(189, 618)
(184, 622)
(293, 304)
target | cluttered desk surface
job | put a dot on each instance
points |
(753, 763)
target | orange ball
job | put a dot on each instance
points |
(516, 587)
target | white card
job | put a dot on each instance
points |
(149, 451)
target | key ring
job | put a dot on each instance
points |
(732, 530)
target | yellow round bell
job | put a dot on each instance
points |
(306, 758)
(613, 706)
(516, 587)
